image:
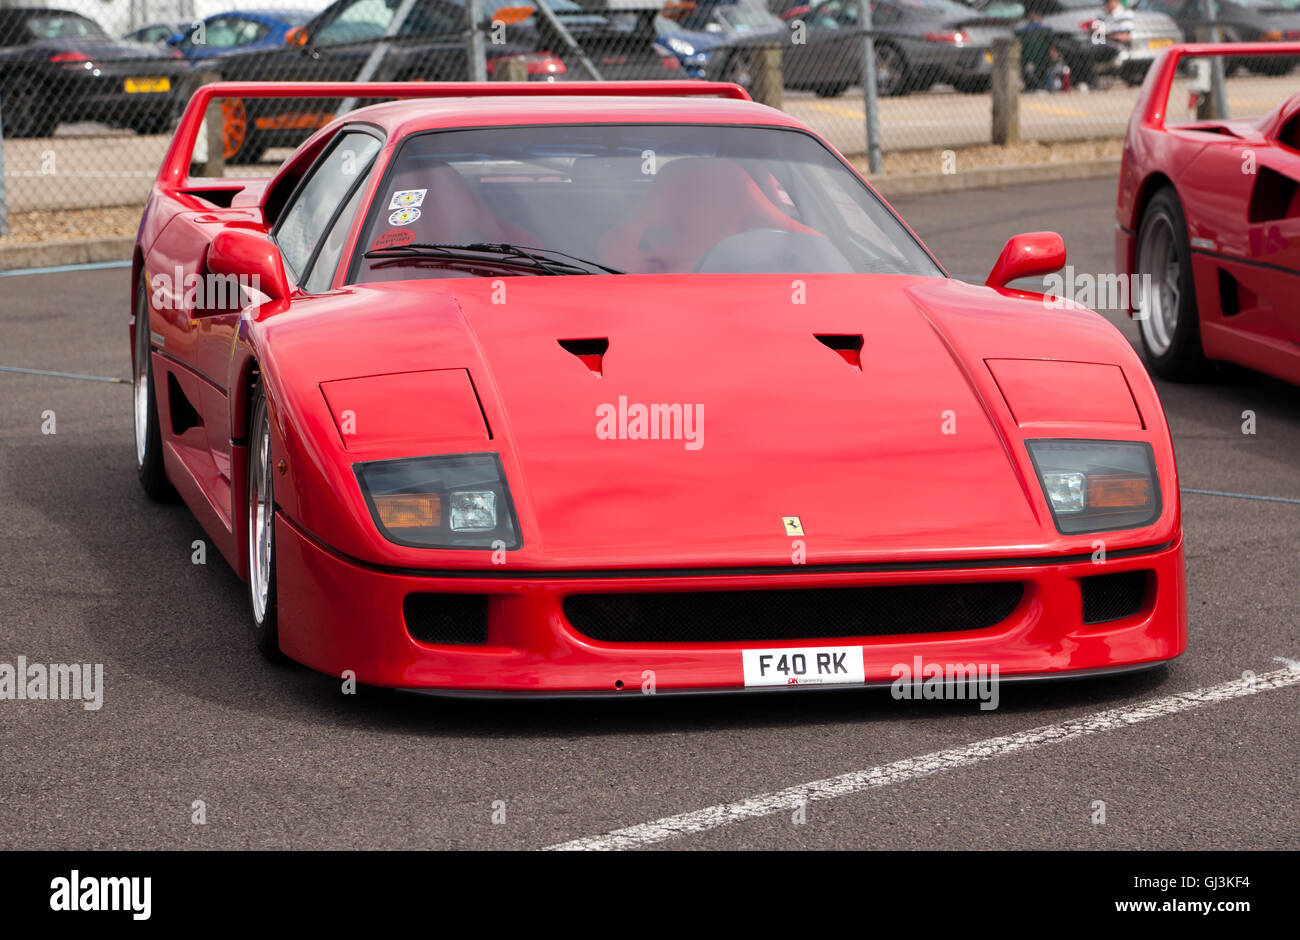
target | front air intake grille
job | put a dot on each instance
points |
(1109, 597)
(794, 614)
(447, 618)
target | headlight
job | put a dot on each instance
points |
(1097, 486)
(680, 46)
(456, 501)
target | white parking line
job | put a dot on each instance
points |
(910, 768)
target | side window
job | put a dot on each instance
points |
(313, 207)
(222, 32)
(327, 259)
(250, 31)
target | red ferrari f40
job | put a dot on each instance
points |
(607, 388)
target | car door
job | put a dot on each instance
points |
(313, 223)
(1243, 200)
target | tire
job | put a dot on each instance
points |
(1272, 67)
(892, 73)
(260, 513)
(1169, 328)
(144, 401)
(831, 91)
(1133, 77)
(25, 112)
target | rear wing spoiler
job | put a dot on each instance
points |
(176, 163)
(1154, 98)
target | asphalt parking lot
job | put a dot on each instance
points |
(92, 572)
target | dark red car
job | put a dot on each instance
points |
(1208, 213)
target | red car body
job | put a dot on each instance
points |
(852, 440)
(1238, 185)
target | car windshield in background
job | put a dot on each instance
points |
(632, 199)
(63, 26)
(743, 17)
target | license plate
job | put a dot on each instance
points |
(1159, 43)
(135, 86)
(988, 57)
(812, 665)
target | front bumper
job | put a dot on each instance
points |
(338, 615)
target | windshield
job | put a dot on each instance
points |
(633, 198)
(738, 17)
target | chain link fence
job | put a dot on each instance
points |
(90, 89)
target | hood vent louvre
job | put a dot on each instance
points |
(590, 351)
(848, 345)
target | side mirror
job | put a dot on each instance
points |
(175, 39)
(511, 14)
(1027, 255)
(243, 270)
(296, 36)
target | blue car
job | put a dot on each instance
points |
(690, 47)
(241, 30)
(696, 30)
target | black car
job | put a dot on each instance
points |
(1240, 21)
(361, 40)
(58, 66)
(918, 43)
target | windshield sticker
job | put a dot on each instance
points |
(407, 199)
(404, 216)
(394, 239)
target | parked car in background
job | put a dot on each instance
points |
(1220, 248)
(918, 43)
(58, 66)
(1152, 31)
(337, 45)
(1240, 21)
(156, 33)
(691, 48)
(717, 25)
(245, 30)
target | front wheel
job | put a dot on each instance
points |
(261, 530)
(1168, 322)
(148, 436)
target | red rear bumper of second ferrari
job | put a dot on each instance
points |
(502, 632)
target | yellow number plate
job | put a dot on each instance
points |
(1159, 43)
(988, 57)
(138, 85)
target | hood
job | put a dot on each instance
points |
(773, 422)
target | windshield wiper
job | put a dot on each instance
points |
(547, 260)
